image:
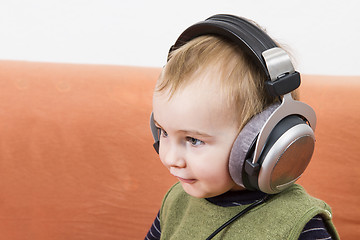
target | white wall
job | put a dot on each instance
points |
(323, 35)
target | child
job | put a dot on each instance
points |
(211, 89)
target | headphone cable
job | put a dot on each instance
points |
(255, 204)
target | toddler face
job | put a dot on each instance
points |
(197, 133)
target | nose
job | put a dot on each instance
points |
(172, 156)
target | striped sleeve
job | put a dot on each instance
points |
(155, 231)
(315, 229)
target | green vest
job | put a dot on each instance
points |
(283, 216)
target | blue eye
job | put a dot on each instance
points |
(194, 142)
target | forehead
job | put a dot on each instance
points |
(198, 106)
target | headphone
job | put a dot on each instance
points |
(274, 148)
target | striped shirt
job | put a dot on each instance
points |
(314, 229)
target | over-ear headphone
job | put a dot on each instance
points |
(274, 148)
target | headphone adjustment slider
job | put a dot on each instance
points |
(285, 84)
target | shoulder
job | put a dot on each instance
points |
(297, 207)
(295, 201)
(296, 196)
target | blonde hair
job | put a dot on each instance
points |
(242, 82)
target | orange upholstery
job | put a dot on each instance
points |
(76, 156)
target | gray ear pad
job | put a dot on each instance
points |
(243, 142)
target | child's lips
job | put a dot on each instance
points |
(184, 180)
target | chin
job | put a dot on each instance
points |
(199, 193)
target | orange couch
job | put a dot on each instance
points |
(76, 156)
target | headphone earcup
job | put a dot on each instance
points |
(244, 142)
(286, 154)
(283, 159)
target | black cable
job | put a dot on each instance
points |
(255, 204)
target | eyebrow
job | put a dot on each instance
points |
(190, 132)
(196, 133)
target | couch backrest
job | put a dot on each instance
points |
(76, 156)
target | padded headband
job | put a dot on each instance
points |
(254, 42)
(235, 29)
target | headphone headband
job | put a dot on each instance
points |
(254, 42)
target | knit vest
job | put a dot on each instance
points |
(283, 216)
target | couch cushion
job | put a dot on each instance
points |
(76, 156)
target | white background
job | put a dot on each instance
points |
(323, 35)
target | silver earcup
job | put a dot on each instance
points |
(275, 147)
(285, 157)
